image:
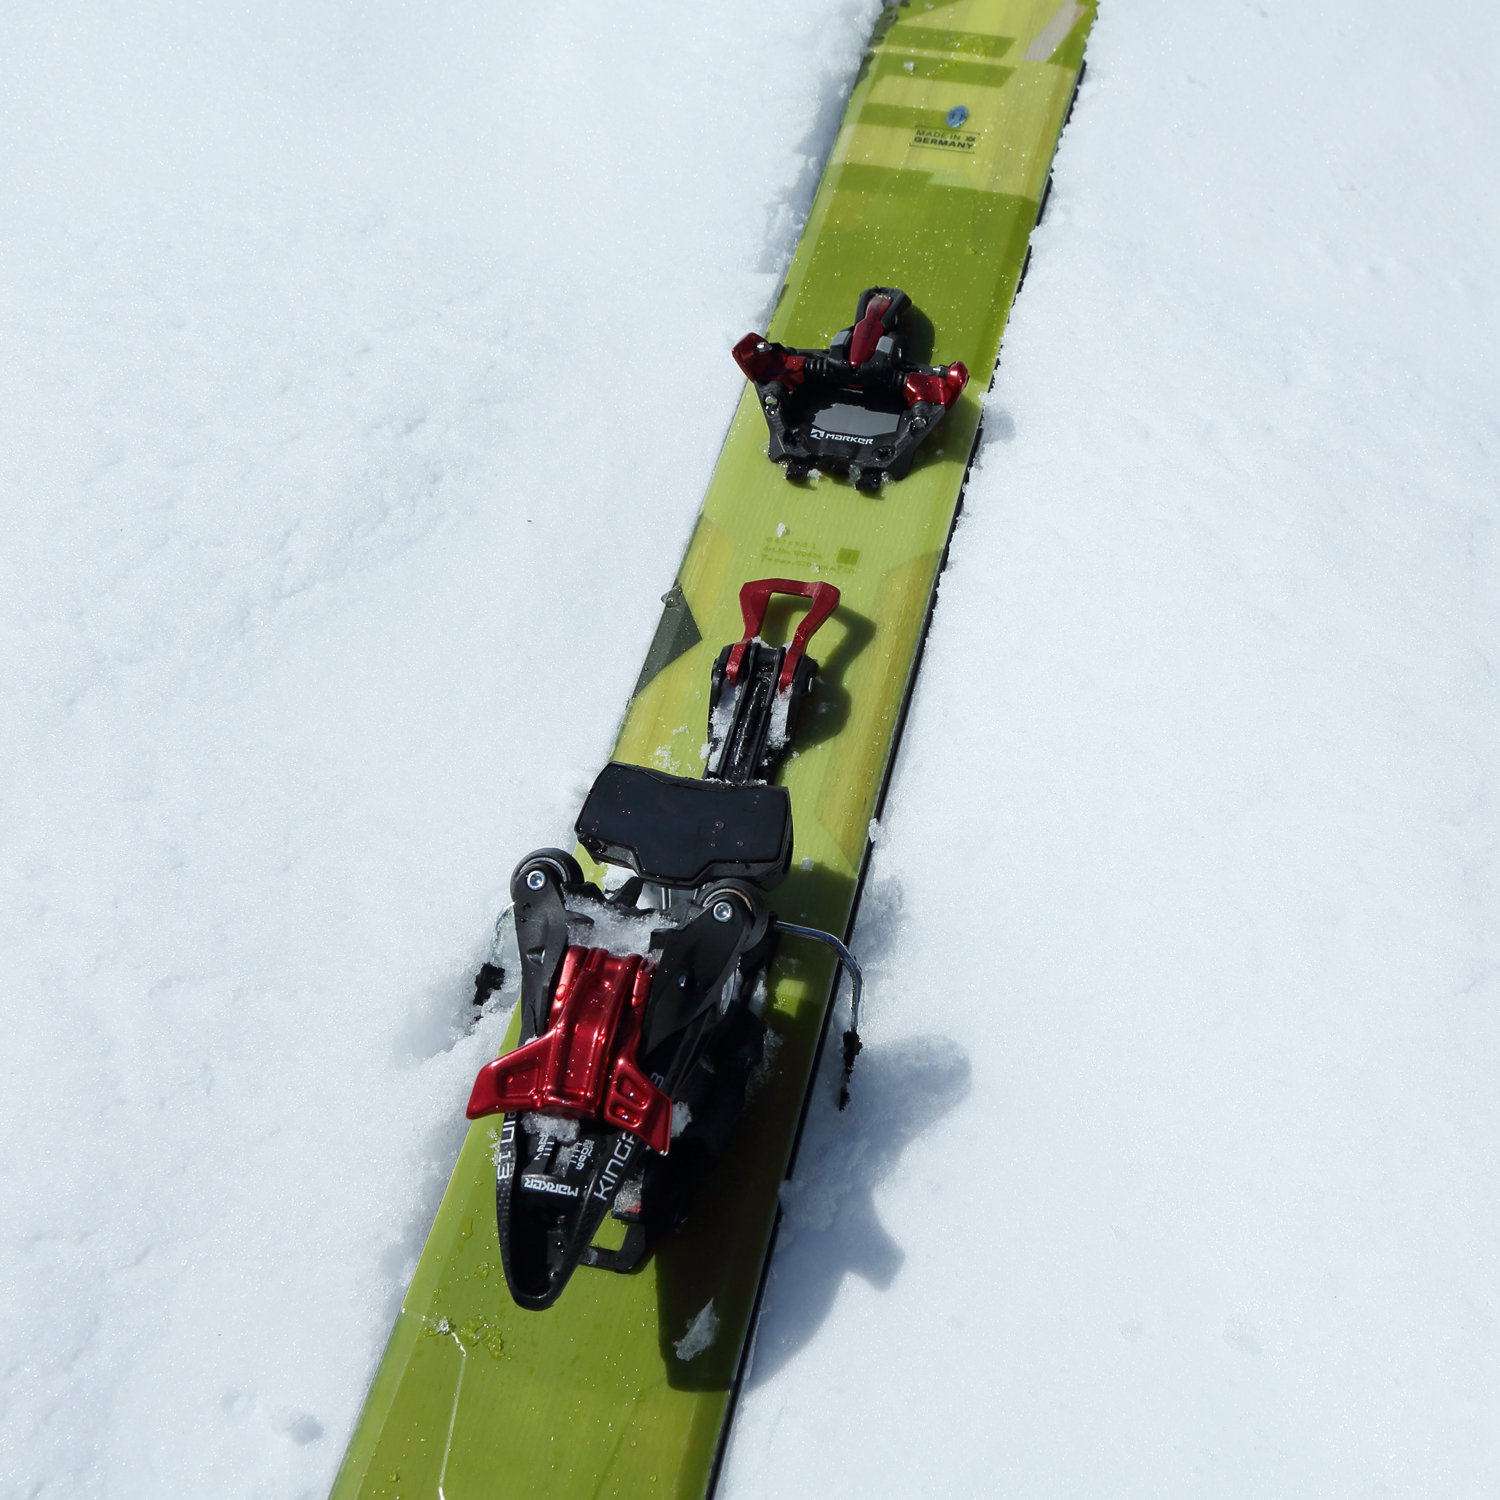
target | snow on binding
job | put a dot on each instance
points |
(641, 1008)
(859, 407)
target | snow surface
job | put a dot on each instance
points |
(337, 501)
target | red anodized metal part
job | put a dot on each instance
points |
(868, 331)
(754, 597)
(763, 362)
(584, 1065)
(947, 387)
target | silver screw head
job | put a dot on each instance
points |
(723, 911)
(535, 881)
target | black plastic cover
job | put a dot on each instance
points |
(679, 832)
(841, 417)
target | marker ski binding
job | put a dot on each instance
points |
(641, 1009)
(860, 407)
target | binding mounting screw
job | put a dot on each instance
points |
(957, 115)
(535, 881)
(723, 911)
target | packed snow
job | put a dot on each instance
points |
(363, 369)
(702, 1331)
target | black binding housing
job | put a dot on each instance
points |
(846, 409)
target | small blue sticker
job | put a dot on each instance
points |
(957, 115)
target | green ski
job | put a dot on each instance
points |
(617, 1378)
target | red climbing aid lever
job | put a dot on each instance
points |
(755, 597)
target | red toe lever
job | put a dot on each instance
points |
(754, 598)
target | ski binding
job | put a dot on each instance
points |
(859, 407)
(641, 1008)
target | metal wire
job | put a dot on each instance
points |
(848, 960)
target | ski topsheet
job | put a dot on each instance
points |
(623, 1387)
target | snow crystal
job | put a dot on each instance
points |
(615, 929)
(720, 722)
(628, 1199)
(781, 706)
(503, 951)
(506, 956)
(550, 1127)
(701, 1333)
(759, 996)
(761, 1073)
